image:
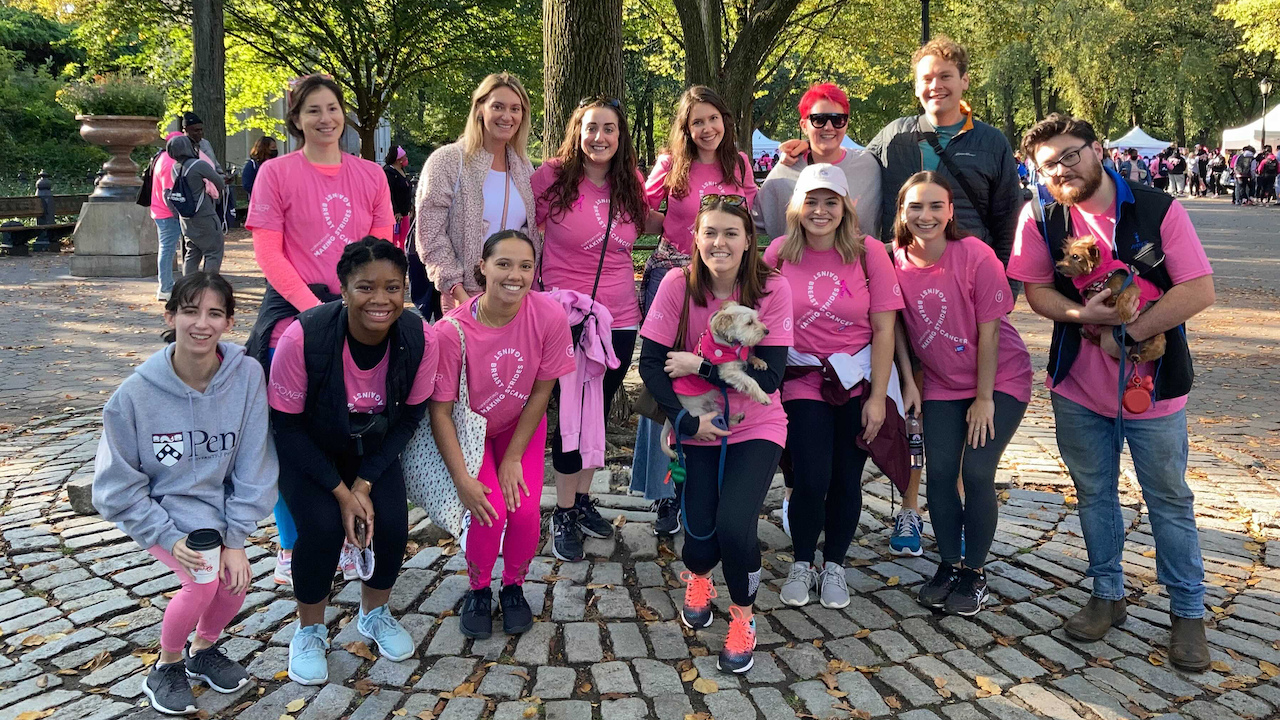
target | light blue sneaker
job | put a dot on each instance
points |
(393, 641)
(307, 662)
(906, 533)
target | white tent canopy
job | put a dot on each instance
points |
(760, 144)
(1251, 134)
(1140, 141)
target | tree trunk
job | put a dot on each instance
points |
(1037, 94)
(582, 57)
(1007, 108)
(700, 23)
(208, 74)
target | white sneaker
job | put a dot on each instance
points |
(284, 568)
(162, 296)
(786, 522)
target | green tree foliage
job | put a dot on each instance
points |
(1259, 20)
(36, 133)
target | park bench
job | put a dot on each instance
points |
(44, 207)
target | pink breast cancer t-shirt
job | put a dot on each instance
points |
(1094, 374)
(319, 214)
(704, 179)
(761, 422)
(503, 363)
(571, 245)
(944, 304)
(832, 305)
(366, 389)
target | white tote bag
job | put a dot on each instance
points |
(426, 478)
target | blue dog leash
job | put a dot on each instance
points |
(1119, 332)
(721, 422)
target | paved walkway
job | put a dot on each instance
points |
(80, 604)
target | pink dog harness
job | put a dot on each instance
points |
(714, 353)
(1108, 265)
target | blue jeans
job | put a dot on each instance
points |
(649, 464)
(170, 232)
(1159, 450)
(285, 526)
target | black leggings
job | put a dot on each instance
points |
(827, 466)
(624, 346)
(948, 456)
(320, 531)
(748, 471)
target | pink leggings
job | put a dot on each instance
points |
(522, 527)
(206, 608)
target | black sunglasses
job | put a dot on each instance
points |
(600, 99)
(837, 120)
(731, 200)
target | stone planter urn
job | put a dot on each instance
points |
(119, 135)
(116, 237)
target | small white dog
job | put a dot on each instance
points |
(732, 331)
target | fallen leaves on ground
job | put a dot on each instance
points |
(359, 649)
(295, 705)
(365, 686)
(705, 686)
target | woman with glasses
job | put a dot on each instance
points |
(590, 209)
(702, 158)
(476, 187)
(728, 468)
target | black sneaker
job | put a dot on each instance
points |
(477, 614)
(567, 534)
(589, 518)
(668, 522)
(169, 691)
(969, 595)
(216, 669)
(934, 593)
(517, 616)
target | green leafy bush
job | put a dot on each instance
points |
(114, 95)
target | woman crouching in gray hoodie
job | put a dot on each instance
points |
(202, 236)
(187, 468)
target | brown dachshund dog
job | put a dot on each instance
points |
(1083, 261)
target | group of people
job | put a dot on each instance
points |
(883, 297)
(1248, 175)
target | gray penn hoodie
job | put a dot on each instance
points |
(173, 460)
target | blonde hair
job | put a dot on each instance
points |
(943, 48)
(473, 134)
(849, 241)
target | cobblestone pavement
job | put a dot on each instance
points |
(80, 604)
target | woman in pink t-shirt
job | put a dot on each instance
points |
(728, 471)
(518, 345)
(702, 159)
(977, 380)
(307, 206)
(845, 299)
(349, 386)
(591, 187)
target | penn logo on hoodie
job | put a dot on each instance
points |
(168, 447)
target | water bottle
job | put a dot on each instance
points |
(915, 440)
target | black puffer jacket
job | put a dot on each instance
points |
(982, 154)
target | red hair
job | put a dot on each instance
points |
(823, 91)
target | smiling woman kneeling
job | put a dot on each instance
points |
(349, 385)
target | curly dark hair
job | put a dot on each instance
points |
(366, 250)
(1053, 125)
(626, 195)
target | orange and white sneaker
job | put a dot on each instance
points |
(284, 567)
(736, 656)
(698, 592)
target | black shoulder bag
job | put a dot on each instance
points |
(577, 329)
(932, 139)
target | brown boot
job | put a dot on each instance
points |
(1093, 620)
(1188, 648)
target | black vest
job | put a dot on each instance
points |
(1139, 245)
(324, 332)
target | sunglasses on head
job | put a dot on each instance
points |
(837, 120)
(606, 101)
(731, 200)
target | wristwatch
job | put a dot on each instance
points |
(704, 370)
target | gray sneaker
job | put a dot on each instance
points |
(802, 577)
(835, 591)
(169, 691)
(216, 669)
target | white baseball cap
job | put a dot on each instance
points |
(822, 176)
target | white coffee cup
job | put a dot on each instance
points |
(208, 543)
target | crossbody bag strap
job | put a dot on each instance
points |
(682, 328)
(932, 139)
(506, 197)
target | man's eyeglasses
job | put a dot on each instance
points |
(837, 120)
(600, 100)
(731, 200)
(1070, 158)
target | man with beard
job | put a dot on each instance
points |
(1149, 231)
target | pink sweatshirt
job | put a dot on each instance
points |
(582, 418)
